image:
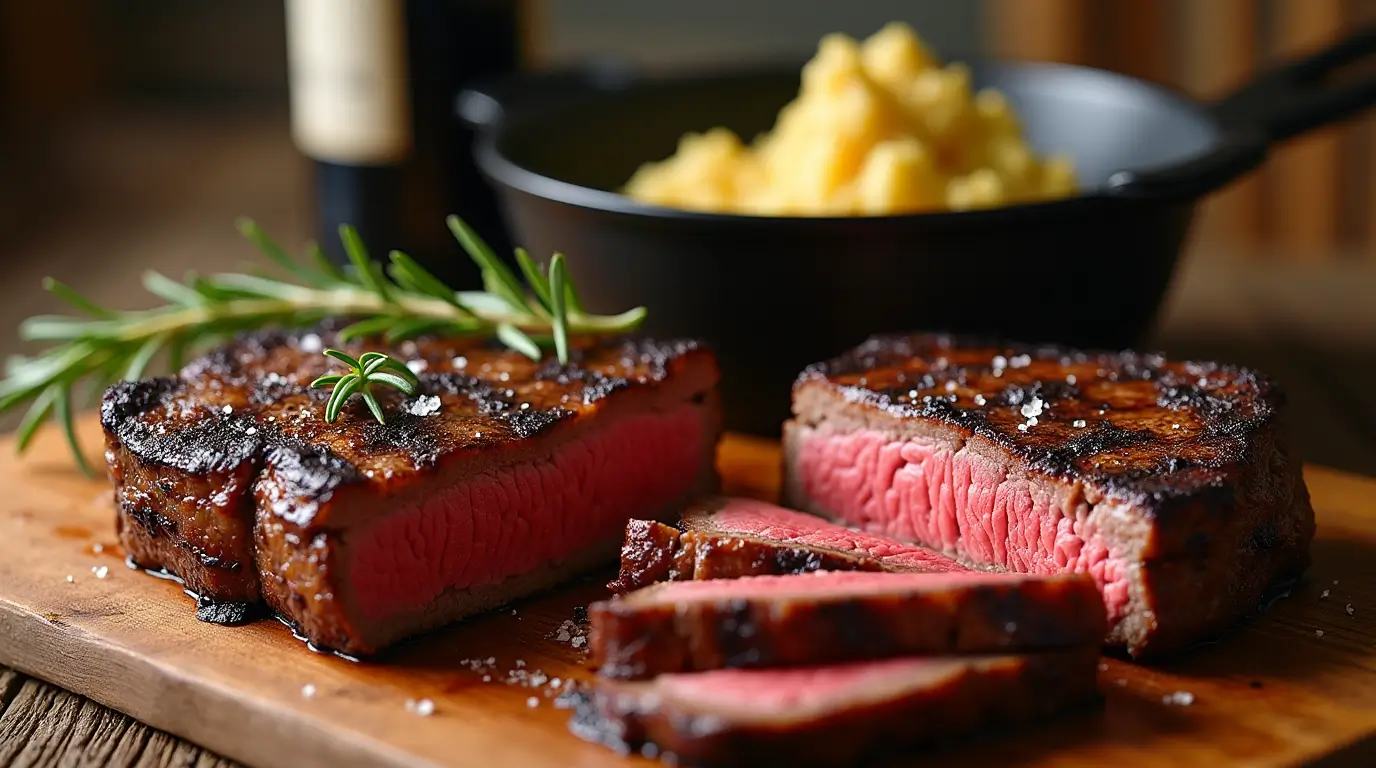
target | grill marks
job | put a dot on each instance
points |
(1120, 419)
(251, 399)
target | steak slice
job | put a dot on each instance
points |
(502, 476)
(1172, 483)
(727, 538)
(832, 715)
(830, 617)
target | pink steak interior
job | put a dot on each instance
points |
(957, 502)
(504, 524)
(832, 584)
(803, 689)
(746, 516)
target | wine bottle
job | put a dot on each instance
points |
(372, 85)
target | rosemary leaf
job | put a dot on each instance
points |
(558, 312)
(166, 288)
(410, 328)
(373, 326)
(68, 294)
(571, 300)
(539, 285)
(326, 380)
(139, 362)
(323, 263)
(34, 417)
(374, 406)
(249, 229)
(497, 279)
(344, 358)
(393, 380)
(412, 275)
(341, 393)
(518, 340)
(62, 411)
(366, 270)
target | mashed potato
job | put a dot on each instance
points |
(878, 127)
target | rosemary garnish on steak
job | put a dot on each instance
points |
(103, 346)
(370, 368)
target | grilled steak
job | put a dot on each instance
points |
(835, 715)
(727, 538)
(830, 617)
(1172, 483)
(500, 477)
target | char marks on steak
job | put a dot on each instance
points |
(727, 538)
(831, 617)
(1172, 483)
(833, 715)
(501, 476)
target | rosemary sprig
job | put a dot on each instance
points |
(369, 369)
(101, 346)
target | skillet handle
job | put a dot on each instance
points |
(486, 104)
(1278, 105)
(1295, 98)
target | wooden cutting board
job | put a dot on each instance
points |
(1296, 684)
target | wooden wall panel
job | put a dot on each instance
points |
(1218, 45)
(1042, 30)
(1303, 200)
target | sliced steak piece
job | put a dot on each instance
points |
(833, 715)
(727, 538)
(830, 617)
(1172, 483)
(500, 477)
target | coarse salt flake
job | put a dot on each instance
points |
(417, 366)
(1179, 698)
(533, 702)
(1349, 609)
(251, 431)
(1325, 594)
(1318, 633)
(101, 571)
(1079, 423)
(423, 405)
(311, 343)
(308, 691)
(228, 409)
(70, 578)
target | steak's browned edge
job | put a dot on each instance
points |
(996, 692)
(234, 448)
(654, 552)
(1189, 461)
(641, 634)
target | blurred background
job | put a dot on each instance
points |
(133, 132)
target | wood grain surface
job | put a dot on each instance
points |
(1274, 692)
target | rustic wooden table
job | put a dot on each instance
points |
(152, 191)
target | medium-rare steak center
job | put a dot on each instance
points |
(501, 476)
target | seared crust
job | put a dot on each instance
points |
(648, 632)
(654, 552)
(1161, 434)
(987, 692)
(1182, 468)
(237, 441)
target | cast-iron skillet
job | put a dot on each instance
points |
(773, 294)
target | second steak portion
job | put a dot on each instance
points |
(846, 714)
(1171, 483)
(830, 617)
(500, 477)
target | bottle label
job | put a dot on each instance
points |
(349, 92)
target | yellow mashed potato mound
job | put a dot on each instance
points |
(878, 127)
